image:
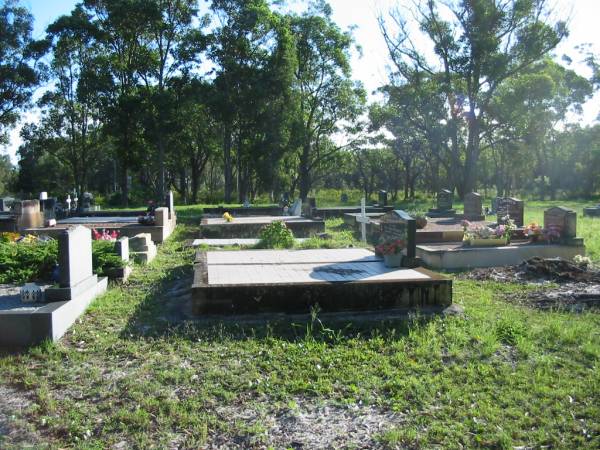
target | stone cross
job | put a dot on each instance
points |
(363, 219)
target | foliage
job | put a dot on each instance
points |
(276, 235)
(104, 257)
(27, 261)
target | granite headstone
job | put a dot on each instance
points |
(473, 207)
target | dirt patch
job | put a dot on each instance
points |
(307, 425)
(578, 284)
(12, 433)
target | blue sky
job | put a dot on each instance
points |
(371, 66)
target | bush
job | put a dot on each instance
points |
(104, 257)
(32, 261)
(276, 235)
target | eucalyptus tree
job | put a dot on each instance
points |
(252, 52)
(478, 45)
(71, 112)
(172, 46)
(326, 95)
(20, 67)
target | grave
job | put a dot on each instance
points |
(513, 207)
(249, 227)
(473, 210)
(399, 225)
(126, 223)
(455, 256)
(142, 249)
(121, 274)
(592, 211)
(293, 281)
(232, 242)
(250, 211)
(443, 205)
(25, 324)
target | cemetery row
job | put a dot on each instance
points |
(46, 309)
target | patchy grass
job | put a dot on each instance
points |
(130, 374)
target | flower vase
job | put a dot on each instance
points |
(393, 260)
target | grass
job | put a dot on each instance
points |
(502, 376)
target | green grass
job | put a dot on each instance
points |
(503, 376)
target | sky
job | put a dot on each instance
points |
(370, 66)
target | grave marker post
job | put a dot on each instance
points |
(363, 219)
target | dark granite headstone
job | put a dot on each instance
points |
(563, 218)
(399, 224)
(2, 205)
(443, 205)
(382, 198)
(473, 207)
(344, 198)
(513, 207)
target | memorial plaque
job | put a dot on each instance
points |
(512, 207)
(161, 216)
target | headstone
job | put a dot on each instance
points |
(30, 215)
(142, 249)
(363, 219)
(563, 218)
(122, 248)
(161, 216)
(495, 202)
(473, 207)
(170, 204)
(399, 224)
(75, 264)
(382, 198)
(86, 201)
(49, 209)
(344, 198)
(443, 205)
(3, 206)
(444, 200)
(592, 211)
(512, 207)
(296, 208)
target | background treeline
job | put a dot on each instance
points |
(249, 99)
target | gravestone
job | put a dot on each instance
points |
(398, 224)
(592, 211)
(563, 218)
(3, 206)
(75, 264)
(169, 202)
(382, 198)
(308, 206)
(344, 198)
(122, 248)
(495, 202)
(296, 208)
(161, 216)
(49, 209)
(443, 205)
(142, 249)
(513, 207)
(30, 215)
(473, 207)
(363, 219)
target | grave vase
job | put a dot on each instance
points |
(393, 260)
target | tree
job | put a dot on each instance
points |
(20, 70)
(326, 94)
(483, 45)
(7, 172)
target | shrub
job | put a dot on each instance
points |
(27, 261)
(276, 235)
(104, 257)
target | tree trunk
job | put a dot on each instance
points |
(195, 179)
(227, 167)
(125, 187)
(305, 181)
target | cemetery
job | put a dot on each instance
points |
(318, 224)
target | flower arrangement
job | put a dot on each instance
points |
(552, 234)
(228, 217)
(477, 232)
(105, 235)
(9, 237)
(390, 247)
(533, 229)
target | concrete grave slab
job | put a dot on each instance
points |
(249, 227)
(291, 281)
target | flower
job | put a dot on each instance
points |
(106, 235)
(465, 224)
(533, 229)
(228, 217)
(552, 233)
(390, 247)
